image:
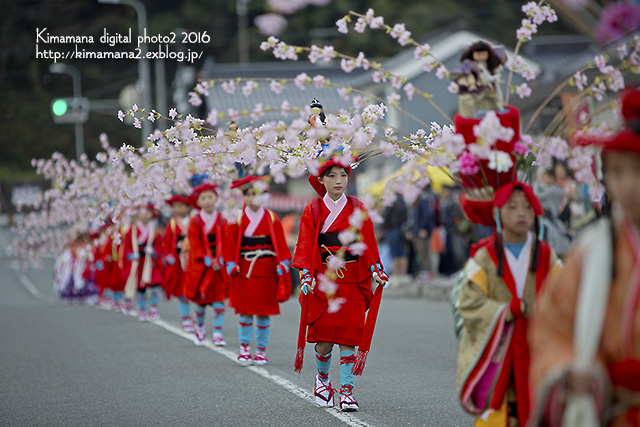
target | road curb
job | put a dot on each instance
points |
(434, 290)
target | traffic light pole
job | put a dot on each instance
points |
(60, 68)
(144, 65)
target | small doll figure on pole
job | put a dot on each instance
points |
(478, 79)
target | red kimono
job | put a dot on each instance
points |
(109, 277)
(257, 247)
(202, 284)
(130, 255)
(346, 325)
(172, 243)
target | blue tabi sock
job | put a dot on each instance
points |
(263, 327)
(117, 296)
(347, 359)
(323, 364)
(245, 329)
(154, 297)
(218, 316)
(183, 307)
(199, 310)
(142, 301)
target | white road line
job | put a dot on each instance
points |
(32, 288)
(348, 419)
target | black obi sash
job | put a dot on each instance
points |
(249, 244)
(330, 244)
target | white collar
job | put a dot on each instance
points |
(331, 204)
(520, 266)
(143, 229)
(335, 207)
(184, 222)
(209, 220)
(254, 219)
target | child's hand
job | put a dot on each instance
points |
(306, 282)
(379, 275)
(231, 268)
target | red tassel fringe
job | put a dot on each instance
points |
(361, 359)
(297, 366)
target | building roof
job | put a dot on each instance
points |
(266, 71)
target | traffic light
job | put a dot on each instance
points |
(70, 110)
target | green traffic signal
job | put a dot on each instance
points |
(59, 107)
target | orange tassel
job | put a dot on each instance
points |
(302, 334)
(367, 335)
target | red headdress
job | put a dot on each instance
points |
(504, 193)
(239, 183)
(178, 198)
(204, 187)
(193, 197)
(343, 162)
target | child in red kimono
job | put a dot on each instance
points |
(318, 242)
(203, 281)
(108, 266)
(175, 259)
(143, 263)
(258, 260)
(503, 280)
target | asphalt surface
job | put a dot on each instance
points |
(64, 365)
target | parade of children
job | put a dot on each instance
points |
(469, 259)
(244, 262)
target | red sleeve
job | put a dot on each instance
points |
(167, 240)
(128, 244)
(372, 255)
(229, 250)
(306, 247)
(194, 234)
(158, 247)
(283, 249)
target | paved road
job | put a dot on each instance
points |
(64, 365)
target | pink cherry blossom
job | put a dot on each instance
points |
(468, 164)
(270, 23)
(342, 26)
